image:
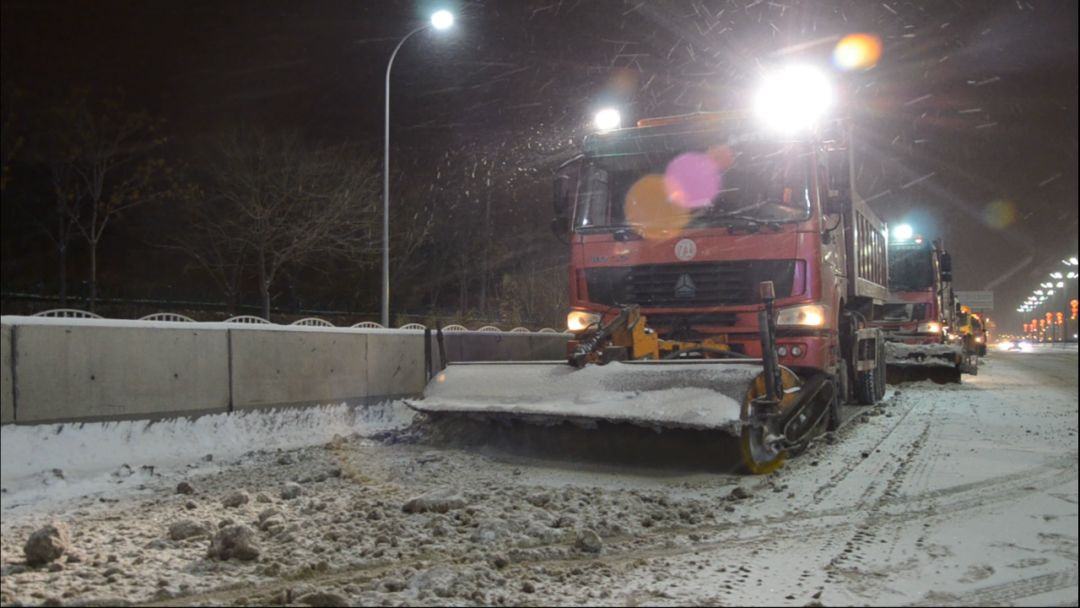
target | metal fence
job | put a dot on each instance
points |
(172, 317)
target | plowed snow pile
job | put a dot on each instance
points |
(941, 495)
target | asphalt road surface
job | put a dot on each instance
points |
(942, 495)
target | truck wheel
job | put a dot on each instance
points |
(869, 384)
(882, 369)
(833, 417)
(866, 387)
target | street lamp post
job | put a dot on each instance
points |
(440, 20)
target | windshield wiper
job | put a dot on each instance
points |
(756, 222)
(636, 230)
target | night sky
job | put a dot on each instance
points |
(973, 106)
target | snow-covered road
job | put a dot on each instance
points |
(962, 495)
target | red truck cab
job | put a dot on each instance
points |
(686, 217)
(920, 309)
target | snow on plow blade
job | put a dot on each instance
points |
(912, 362)
(703, 395)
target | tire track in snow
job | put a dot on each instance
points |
(851, 466)
(622, 550)
(1006, 593)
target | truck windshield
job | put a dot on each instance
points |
(910, 269)
(722, 185)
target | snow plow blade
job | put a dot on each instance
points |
(941, 363)
(701, 395)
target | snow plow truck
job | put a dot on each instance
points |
(921, 317)
(722, 278)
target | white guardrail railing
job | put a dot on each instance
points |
(73, 313)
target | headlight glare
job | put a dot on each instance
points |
(932, 327)
(809, 315)
(580, 320)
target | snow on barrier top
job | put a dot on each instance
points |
(166, 318)
(312, 322)
(251, 319)
(67, 313)
(171, 317)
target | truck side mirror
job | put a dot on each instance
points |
(838, 198)
(560, 226)
(564, 191)
(946, 267)
(837, 203)
(565, 187)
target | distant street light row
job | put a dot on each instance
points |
(1047, 288)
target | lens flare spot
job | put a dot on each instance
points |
(692, 180)
(647, 205)
(722, 156)
(857, 52)
(999, 214)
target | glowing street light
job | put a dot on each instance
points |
(440, 20)
(903, 232)
(1055, 275)
(1060, 284)
(607, 119)
(793, 98)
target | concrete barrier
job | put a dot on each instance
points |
(485, 346)
(64, 370)
(273, 367)
(73, 371)
(395, 364)
(7, 382)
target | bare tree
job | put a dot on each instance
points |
(274, 201)
(60, 225)
(107, 149)
(207, 232)
(11, 141)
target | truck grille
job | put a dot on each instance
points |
(689, 285)
(692, 319)
(900, 313)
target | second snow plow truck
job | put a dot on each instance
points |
(921, 313)
(722, 277)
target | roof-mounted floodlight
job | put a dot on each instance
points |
(793, 98)
(607, 119)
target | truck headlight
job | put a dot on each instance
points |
(809, 315)
(933, 327)
(580, 320)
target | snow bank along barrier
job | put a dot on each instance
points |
(68, 370)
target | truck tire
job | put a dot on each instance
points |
(834, 418)
(870, 384)
(882, 368)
